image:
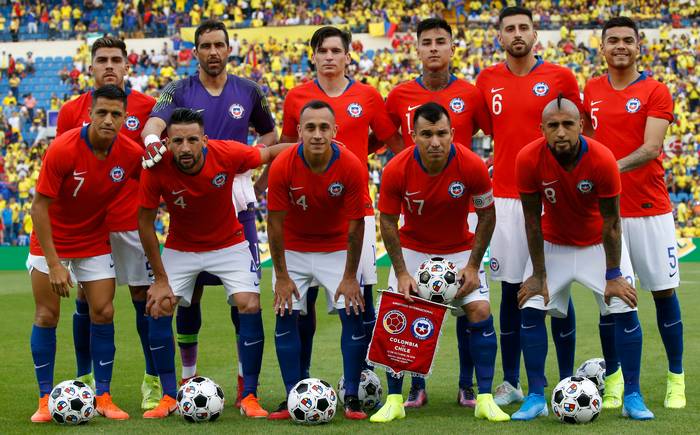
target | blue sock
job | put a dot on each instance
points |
(564, 336)
(510, 332)
(142, 329)
(81, 338)
(307, 329)
(235, 319)
(162, 347)
(466, 364)
(483, 348)
(288, 345)
(369, 317)
(43, 344)
(668, 319)
(607, 342)
(353, 345)
(533, 336)
(628, 338)
(394, 385)
(103, 350)
(250, 346)
(417, 383)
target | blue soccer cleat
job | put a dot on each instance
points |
(634, 408)
(534, 406)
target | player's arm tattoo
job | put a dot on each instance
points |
(612, 230)
(275, 235)
(42, 228)
(482, 234)
(149, 241)
(532, 209)
(356, 232)
(389, 227)
(654, 134)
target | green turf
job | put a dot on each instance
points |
(217, 360)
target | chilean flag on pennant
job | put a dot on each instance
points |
(405, 337)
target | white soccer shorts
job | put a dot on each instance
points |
(81, 269)
(368, 257)
(651, 243)
(509, 253)
(413, 260)
(231, 265)
(130, 262)
(584, 264)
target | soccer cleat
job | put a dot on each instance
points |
(675, 391)
(239, 392)
(417, 398)
(250, 407)
(506, 394)
(487, 409)
(87, 379)
(353, 408)
(466, 397)
(183, 381)
(151, 392)
(534, 406)
(614, 387)
(166, 406)
(106, 408)
(393, 409)
(282, 413)
(635, 408)
(42, 414)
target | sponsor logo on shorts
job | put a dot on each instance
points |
(493, 264)
(354, 110)
(422, 328)
(633, 105)
(394, 322)
(335, 188)
(585, 186)
(540, 89)
(219, 179)
(132, 123)
(236, 111)
(456, 189)
(457, 105)
(117, 174)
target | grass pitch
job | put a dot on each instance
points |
(217, 360)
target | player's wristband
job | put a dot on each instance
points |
(151, 138)
(613, 273)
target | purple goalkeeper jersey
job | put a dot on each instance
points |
(227, 116)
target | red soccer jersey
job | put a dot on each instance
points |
(435, 208)
(515, 104)
(122, 214)
(571, 210)
(619, 119)
(318, 206)
(463, 102)
(202, 215)
(80, 186)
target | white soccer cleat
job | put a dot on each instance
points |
(507, 394)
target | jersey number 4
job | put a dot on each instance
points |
(300, 202)
(180, 200)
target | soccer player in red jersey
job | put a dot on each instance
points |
(630, 112)
(433, 185)
(468, 114)
(358, 108)
(83, 170)
(516, 91)
(577, 238)
(196, 182)
(316, 206)
(109, 66)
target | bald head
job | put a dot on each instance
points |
(560, 105)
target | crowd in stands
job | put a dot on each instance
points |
(279, 65)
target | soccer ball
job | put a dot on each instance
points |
(312, 401)
(594, 371)
(72, 402)
(576, 400)
(437, 280)
(200, 399)
(369, 393)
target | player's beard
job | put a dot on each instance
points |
(213, 72)
(520, 50)
(194, 159)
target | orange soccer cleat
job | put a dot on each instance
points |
(166, 406)
(42, 414)
(250, 407)
(107, 408)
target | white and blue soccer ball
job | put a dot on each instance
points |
(312, 401)
(200, 399)
(593, 370)
(72, 402)
(437, 280)
(369, 392)
(576, 400)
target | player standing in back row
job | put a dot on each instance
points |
(516, 91)
(630, 112)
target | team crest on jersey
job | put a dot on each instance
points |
(633, 105)
(494, 265)
(236, 111)
(220, 179)
(336, 188)
(132, 123)
(354, 110)
(117, 174)
(540, 89)
(585, 186)
(456, 189)
(457, 105)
